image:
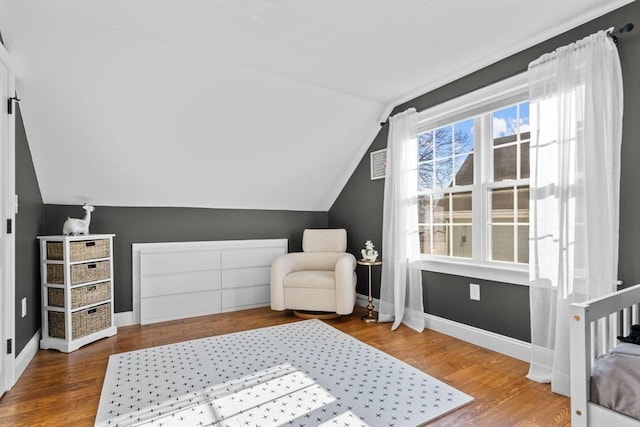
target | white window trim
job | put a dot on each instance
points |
(516, 87)
(434, 116)
(515, 274)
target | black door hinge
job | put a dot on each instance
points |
(9, 226)
(10, 104)
(9, 346)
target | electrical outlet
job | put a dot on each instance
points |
(24, 307)
(474, 291)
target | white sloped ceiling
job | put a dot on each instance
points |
(240, 104)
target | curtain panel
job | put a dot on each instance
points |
(401, 278)
(576, 133)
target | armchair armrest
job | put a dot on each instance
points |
(280, 267)
(345, 277)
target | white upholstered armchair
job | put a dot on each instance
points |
(321, 278)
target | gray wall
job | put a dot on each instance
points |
(503, 308)
(163, 224)
(28, 225)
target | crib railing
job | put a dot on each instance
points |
(604, 331)
(594, 328)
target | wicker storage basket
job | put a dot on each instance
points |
(56, 324)
(83, 322)
(80, 251)
(80, 273)
(80, 296)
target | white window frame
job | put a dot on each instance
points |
(512, 90)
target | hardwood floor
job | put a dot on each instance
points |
(59, 389)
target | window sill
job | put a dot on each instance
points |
(494, 272)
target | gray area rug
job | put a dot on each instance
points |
(300, 374)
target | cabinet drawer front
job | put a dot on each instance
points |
(89, 249)
(81, 296)
(83, 322)
(238, 258)
(90, 320)
(178, 262)
(246, 297)
(80, 273)
(90, 272)
(158, 309)
(81, 250)
(171, 284)
(246, 277)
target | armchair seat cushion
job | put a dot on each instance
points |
(310, 280)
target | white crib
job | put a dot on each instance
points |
(594, 327)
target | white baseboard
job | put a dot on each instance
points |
(480, 337)
(26, 355)
(490, 340)
(124, 318)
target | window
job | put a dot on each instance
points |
(473, 182)
(445, 184)
(508, 188)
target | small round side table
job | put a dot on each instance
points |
(369, 317)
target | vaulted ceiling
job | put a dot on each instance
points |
(252, 104)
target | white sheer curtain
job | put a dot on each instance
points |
(401, 280)
(576, 131)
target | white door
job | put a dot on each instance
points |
(7, 190)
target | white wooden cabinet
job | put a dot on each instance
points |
(186, 279)
(77, 290)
